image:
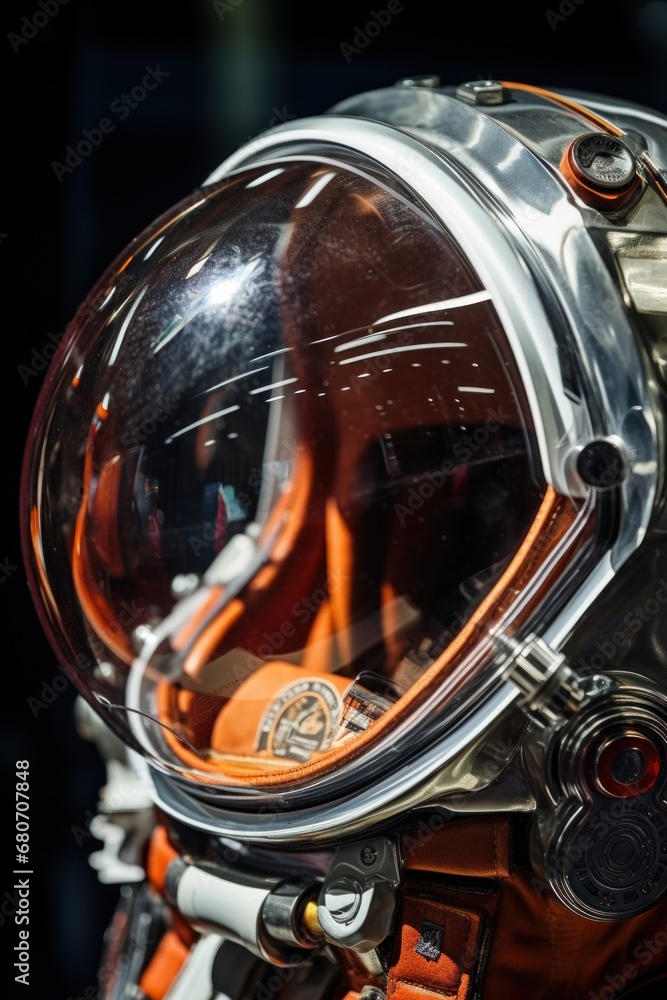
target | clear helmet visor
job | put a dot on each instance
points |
(284, 459)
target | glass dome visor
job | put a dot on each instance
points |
(283, 480)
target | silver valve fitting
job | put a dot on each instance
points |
(282, 920)
(271, 917)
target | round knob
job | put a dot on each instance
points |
(603, 161)
(602, 170)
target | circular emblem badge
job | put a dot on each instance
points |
(300, 720)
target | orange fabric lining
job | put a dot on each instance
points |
(321, 640)
(340, 554)
(288, 520)
(554, 518)
(188, 630)
(276, 519)
(95, 607)
(413, 976)
(159, 857)
(103, 531)
(205, 645)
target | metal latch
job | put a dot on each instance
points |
(357, 900)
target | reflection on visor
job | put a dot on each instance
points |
(288, 459)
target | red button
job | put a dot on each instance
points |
(627, 766)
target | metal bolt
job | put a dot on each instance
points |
(482, 92)
(550, 689)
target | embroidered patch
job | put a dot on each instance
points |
(429, 945)
(300, 720)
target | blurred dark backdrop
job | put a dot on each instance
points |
(233, 68)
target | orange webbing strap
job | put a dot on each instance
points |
(164, 966)
(478, 848)
(513, 940)
(442, 937)
(438, 948)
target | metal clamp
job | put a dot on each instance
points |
(551, 690)
(357, 901)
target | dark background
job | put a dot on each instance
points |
(231, 74)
